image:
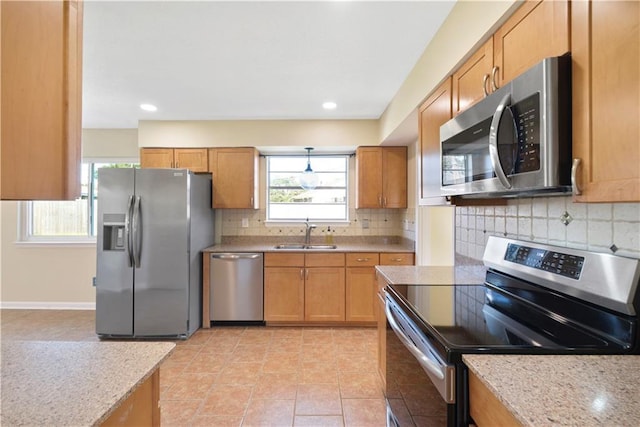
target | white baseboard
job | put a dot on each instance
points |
(35, 305)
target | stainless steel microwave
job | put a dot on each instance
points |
(516, 141)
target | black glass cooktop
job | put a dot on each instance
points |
(511, 316)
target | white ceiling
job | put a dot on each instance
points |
(213, 60)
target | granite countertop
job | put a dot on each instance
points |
(460, 274)
(57, 383)
(563, 390)
(267, 244)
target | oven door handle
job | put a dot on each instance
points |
(494, 154)
(443, 373)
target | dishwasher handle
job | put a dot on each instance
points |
(235, 256)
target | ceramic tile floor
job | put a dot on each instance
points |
(247, 376)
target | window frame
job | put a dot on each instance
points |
(280, 222)
(25, 215)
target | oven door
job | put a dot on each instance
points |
(419, 385)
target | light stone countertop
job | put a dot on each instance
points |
(261, 244)
(57, 383)
(433, 275)
(563, 390)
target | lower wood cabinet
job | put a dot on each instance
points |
(360, 287)
(485, 408)
(324, 287)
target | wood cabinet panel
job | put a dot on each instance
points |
(606, 99)
(156, 158)
(324, 294)
(362, 259)
(41, 94)
(284, 294)
(194, 159)
(283, 259)
(471, 82)
(360, 294)
(381, 177)
(382, 330)
(434, 112)
(537, 30)
(399, 258)
(235, 177)
(141, 408)
(485, 408)
(324, 260)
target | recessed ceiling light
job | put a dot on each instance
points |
(329, 105)
(148, 107)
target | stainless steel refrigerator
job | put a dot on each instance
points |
(152, 226)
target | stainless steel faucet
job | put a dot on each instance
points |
(307, 236)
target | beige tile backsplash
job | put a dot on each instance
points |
(381, 222)
(593, 226)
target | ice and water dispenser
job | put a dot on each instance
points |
(113, 232)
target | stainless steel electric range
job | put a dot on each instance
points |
(536, 299)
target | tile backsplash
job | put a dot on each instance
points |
(362, 222)
(598, 227)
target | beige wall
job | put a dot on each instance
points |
(52, 276)
(466, 27)
(263, 134)
(55, 275)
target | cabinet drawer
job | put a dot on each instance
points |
(362, 259)
(400, 258)
(324, 260)
(283, 259)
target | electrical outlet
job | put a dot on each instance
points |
(245, 222)
(93, 281)
(365, 224)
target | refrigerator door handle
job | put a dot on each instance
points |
(136, 232)
(127, 231)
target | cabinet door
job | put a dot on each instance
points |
(433, 113)
(194, 159)
(396, 258)
(394, 177)
(156, 158)
(537, 30)
(235, 177)
(369, 177)
(360, 294)
(41, 95)
(284, 294)
(606, 99)
(324, 294)
(471, 82)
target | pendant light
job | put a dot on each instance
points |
(308, 179)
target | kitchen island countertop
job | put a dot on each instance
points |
(59, 383)
(563, 390)
(460, 274)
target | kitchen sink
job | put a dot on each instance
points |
(301, 246)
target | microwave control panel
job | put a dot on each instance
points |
(526, 114)
(541, 259)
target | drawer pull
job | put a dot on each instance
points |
(396, 259)
(362, 259)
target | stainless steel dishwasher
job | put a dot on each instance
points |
(236, 281)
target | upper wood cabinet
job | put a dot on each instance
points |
(472, 81)
(381, 177)
(435, 111)
(537, 30)
(606, 99)
(194, 159)
(41, 98)
(235, 177)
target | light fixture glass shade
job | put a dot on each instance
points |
(308, 179)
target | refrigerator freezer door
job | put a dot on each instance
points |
(162, 249)
(114, 276)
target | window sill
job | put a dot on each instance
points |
(286, 223)
(80, 243)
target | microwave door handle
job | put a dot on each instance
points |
(493, 141)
